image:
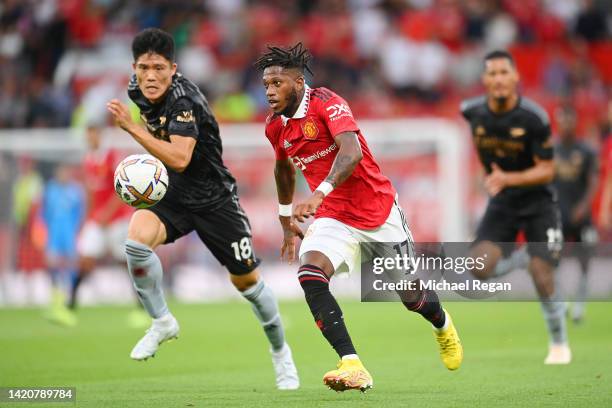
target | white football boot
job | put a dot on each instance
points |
(163, 329)
(284, 367)
(558, 354)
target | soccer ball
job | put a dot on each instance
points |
(141, 180)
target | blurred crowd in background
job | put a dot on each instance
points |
(62, 59)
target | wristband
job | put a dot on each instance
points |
(285, 210)
(325, 187)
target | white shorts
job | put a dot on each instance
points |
(95, 241)
(340, 242)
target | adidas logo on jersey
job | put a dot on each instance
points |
(286, 145)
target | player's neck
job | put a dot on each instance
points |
(567, 140)
(296, 104)
(503, 105)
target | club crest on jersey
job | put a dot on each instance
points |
(185, 116)
(310, 129)
(517, 132)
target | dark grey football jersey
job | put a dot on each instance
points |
(511, 139)
(206, 183)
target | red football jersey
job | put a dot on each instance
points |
(364, 200)
(99, 170)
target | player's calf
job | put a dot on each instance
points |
(146, 271)
(325, 310)
(491, 253)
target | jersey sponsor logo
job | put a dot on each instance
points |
(500, 147)
(301, 162)
(186, 117)
(338, 110)
(298, 163)
(517, 132)
(310, 129)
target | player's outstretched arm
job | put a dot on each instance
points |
(349, 155)
(176, 154)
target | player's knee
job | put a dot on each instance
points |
(489, 254)
(86, 264)
(244, 282)
(146, 228)
(319, 261)
(482, 273)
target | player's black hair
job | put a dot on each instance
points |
(495, 54)
(297, 57)
(153, 40)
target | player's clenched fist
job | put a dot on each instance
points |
(496, 181)
(309, 207)
(121, 114)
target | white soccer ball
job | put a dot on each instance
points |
(141, 180)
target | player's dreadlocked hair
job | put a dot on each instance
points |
(294, 57)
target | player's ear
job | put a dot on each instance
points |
(300, 81)
(517, 75)
(173, 68)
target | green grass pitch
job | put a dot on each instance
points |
(221, 359)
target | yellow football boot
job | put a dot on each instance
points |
(451, 350)
(350, 375)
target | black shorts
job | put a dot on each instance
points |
(226, 232)
(538, 218)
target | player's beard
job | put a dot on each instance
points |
(501, 101)
(292, 104)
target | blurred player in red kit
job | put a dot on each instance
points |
(106, 223)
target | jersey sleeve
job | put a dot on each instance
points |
(183, 121)
(337, 115)
(272, 134)
(465, 110)
(541, 142)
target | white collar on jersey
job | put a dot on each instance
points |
(302, 109)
